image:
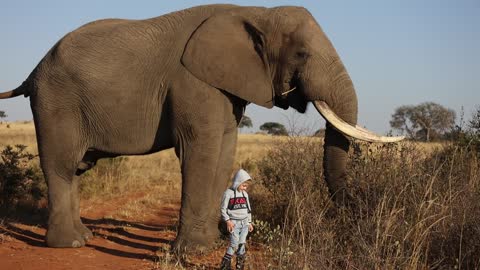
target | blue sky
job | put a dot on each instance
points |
(397, 52)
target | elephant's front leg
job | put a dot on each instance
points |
(201, 190)
(206, 151)
(222, 179)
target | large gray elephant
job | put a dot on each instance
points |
(129, 87)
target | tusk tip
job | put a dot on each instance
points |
(356, 132)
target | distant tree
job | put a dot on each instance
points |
(274, 128)
(475, 122)
(2, 115)
(425, 121)
(473, 134)
(468, 136)
(245, 122)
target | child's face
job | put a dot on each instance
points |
(243, 186)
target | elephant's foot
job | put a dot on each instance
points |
(85, 232)
(60, 237)
(195, 243)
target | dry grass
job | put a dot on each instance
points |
(12, 133)
(411, 207)
(111, 177)
(133, 172)
(415, 204)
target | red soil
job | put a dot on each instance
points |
(117, 244)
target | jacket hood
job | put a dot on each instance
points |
(240, 177)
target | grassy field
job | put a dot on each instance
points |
(412, 205)
(18, 133)
(133, 172)
(111, 176)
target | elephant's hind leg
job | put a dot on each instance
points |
(75, 201)
(88, 161)
(61, 149)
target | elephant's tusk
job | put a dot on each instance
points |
(385, 139)
(283, 94)
(349, 130)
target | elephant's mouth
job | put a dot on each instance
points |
(293, 89)
(356, 132)
(289, 93)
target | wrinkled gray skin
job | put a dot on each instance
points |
(126, 87)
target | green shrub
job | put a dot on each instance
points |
(264, 232)
(21, 182)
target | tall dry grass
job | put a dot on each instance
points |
(408, 209)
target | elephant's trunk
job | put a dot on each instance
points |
(339, 108)
(335, 161)
(344, 106)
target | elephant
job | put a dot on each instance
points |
(182, 80)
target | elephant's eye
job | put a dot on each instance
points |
(302, 54)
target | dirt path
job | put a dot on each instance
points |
(119, 242)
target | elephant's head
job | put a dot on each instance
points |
(281, 57)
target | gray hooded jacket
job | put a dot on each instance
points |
(235, 204)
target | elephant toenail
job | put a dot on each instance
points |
(76, 244)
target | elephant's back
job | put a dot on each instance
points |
(103, 49)
(119, 56)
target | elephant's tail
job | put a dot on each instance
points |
(21, 90)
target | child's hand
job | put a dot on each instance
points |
(250, 227)
(230, 226)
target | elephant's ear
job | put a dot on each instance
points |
(227, 52)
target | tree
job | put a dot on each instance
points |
(245, 122)
(425, 121)
(468, 137)
(274, 128)
(473, 134)
(2, 115)
(474, 124)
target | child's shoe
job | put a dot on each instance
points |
(226, 262)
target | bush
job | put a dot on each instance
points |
(294, 167)
(21, 182)
(291, 196)
(460, 232)
(411, 210)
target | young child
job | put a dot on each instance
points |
(236, 212)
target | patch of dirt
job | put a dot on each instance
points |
(118, 243)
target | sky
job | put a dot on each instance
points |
(397, 53)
